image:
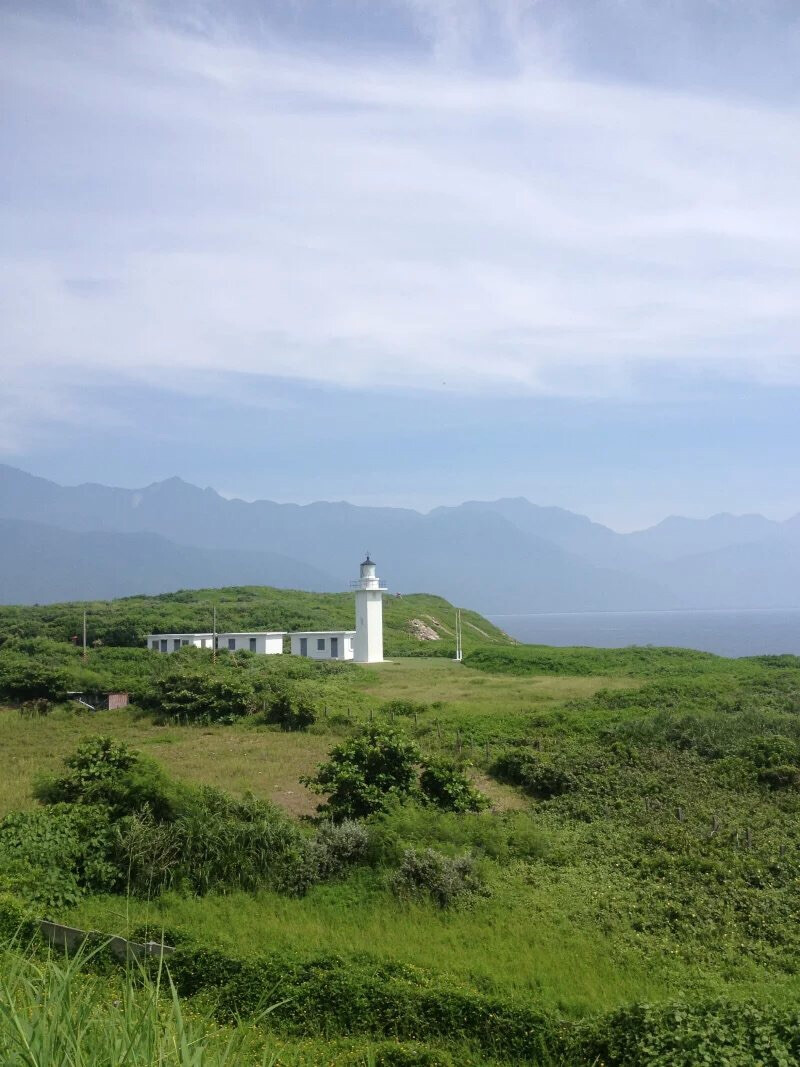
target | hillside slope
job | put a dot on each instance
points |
(126, 621)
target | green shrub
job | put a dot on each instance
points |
(447, 880)
(444, 784)
(540, 777)
(290, 709)
(678, 1035)
(16, 922)
(393, 1054)
(221, 843)
(190, 694)
(52, 856)
(404, 708)
(364, 774)
(23, 678)
(106, 772)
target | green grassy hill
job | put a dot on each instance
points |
(126, 621)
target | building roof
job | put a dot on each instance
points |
(228, 633)
(322, 633)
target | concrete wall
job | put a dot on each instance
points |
(313, 640)
(267, 644)
(369, 626)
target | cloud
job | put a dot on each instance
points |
(486, 209)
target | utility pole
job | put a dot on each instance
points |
(84, 637)
(459, 643)
(214, 638)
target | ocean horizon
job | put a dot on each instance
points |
(726, 632)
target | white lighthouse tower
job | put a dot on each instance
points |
(368, 645)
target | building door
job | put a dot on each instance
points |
(303, 646)
(334, 648)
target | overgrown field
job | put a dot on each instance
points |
(641, 845)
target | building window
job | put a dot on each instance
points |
(176, 644)
(164, 644)
(203, 642)
(184, 643)
(320, 644)
(231, 644)
(154, 645)
(252, 644)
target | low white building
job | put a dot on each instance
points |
(265, 642)
(323, 644)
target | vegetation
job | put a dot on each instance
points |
(370, 772)
(126, 622)
(629, 896)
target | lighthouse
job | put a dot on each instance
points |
(368, 645)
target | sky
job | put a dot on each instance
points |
(406, 252)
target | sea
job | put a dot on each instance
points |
(750, 632)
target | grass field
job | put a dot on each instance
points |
(656, 857)
(268, 762)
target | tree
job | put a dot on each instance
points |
(197, 696)
(447, 786)
(363, 775)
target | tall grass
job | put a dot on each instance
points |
(55, 1013)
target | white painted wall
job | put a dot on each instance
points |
(313, 640)
(267, 644)
(368, 647)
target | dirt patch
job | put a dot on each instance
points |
(502, 797)
(422, 631)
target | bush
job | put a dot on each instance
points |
(192, 695)
(446, 880)
(404, 708)
(52, 856)
(678, 1035)
(364, 774)
(106, 772)
(290, 709)
(393, 1054)
(444, 784)
(221, 843)
(23, 679)
(541, 778)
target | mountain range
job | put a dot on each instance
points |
(93, 542)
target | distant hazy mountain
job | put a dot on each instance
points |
(502, 556)
(675, 536)
(42, 564)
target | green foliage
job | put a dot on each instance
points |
(404, 708)
(366, 773)
(716, 1033)
(106, 772)
(502, 838)
(220, 844)
(394, 1054)
(446, 880)
(444, 784)
(56, 1012)
(16, 922)
(522, 660)
(240, 608)
(540, 777)
(187, 693)
(289, 708)
(52, 856)
(23, 678)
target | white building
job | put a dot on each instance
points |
(323, 644)
(369, 615)
(267, 643)
(365, 643)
